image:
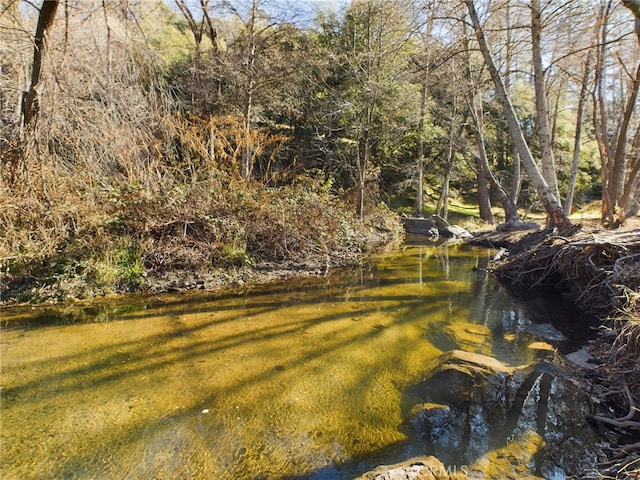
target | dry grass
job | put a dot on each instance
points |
(115, 183)
(113, 236)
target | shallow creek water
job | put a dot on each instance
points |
(296, 379)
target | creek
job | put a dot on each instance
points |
(307, 378)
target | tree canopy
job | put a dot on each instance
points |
(401, 102)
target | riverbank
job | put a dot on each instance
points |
(599, 270)
(31, 289)
(203, 236)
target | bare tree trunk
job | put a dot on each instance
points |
(556, 109)
(424, 91)
(364, 157)
(443, 201)
(516, 181)
(247, 151)
(442, 208)
(423, 112)
(578, 136)
(618, 182)
(364, 152)
(633, 183)
(542, 109)
(30, 98)
(247, 154)
(484, 199)
(510, 210)
(556, 214)
(620, 166)
(634, 205)
(601, 118)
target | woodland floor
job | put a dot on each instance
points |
(599, 270)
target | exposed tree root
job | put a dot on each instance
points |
(599, 270)
(626, 422)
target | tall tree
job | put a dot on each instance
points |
(426, 14)
(619, 179)
(542, 108)
(373, 38)
(485, 176)
(557, 216)
(260, 61)
(577, 141)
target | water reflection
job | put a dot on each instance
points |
(286, 380)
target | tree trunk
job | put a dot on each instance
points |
(635, 204)
(364, 152)
(30, 98)
(578, 137)
(601, 118)
(420, 187)
(247, 151)
(516, 182)
(510, 209)
(442, 209)
(618, 181)
(556, 214)
(484, 200)
(443, 200)
(542, 109)
(628, 203)
(623, 181)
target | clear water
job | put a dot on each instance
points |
(298, 379)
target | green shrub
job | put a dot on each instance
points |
(121, 267)
(236, 256)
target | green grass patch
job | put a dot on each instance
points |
(121, 267)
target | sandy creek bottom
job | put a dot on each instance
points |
(299, 379)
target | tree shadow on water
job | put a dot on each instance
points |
(100, 377)
(181, 394)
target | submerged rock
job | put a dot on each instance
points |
(475, 405)
(572, 444)
(583, 359)
(441, 425)
(546, 331)
(541, 346)
(470, 337)
(467, 395)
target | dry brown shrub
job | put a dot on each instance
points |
(113, 174)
